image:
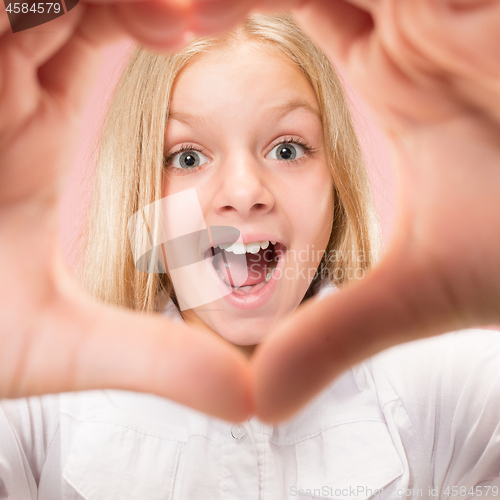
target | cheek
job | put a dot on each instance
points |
(173, 184)
(320, 200)
(313, 210)
(170, 186)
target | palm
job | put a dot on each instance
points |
(53, 337)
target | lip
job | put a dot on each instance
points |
(247, 238)
(257, 299)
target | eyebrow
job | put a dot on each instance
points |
(278, 111)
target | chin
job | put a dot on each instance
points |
(243, 333)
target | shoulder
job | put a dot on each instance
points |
(452, 358)
(475, 339)
(445, 392)
(432, 375)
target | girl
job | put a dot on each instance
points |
(252, 129)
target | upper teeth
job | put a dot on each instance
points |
(241, 248)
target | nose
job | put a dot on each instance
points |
(243, 187)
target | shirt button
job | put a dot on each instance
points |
(238, 432)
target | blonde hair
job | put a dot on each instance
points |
(130, 168)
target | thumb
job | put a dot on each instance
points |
(337, 26)
(397, 302)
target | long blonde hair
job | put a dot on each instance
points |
(130, 168)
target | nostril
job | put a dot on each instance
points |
(260, 206)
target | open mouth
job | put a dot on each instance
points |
(251, 274)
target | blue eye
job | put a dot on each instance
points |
(286, 151)
(187, 160)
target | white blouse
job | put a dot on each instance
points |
(420, 420)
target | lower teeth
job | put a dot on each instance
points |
(271, 271)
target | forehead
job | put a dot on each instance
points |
(244, 78)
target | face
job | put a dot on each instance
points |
(245, 131)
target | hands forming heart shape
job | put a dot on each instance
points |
(431, 71)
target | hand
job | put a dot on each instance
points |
(416, 62)
(53, 337)
(431, 71)
(415, 291)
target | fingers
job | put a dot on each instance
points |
(469, 4)
(167, 26)
(347, 34)
(336, 26)
(36, 46)
(100, 26)
(463, 42)
(20, 56)
(40, 119)
(68, 75)
(392, 56)
(75, 343)
(4, 21)
(158, 26)
(368, 5)
(214, 17)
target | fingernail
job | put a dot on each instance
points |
(217, 16)
(153, 23)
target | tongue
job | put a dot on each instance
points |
(257, 267)
(234, 272)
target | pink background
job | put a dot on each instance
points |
(74, 204)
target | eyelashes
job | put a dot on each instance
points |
(170, 158)
(307, 150)
(182, 149)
